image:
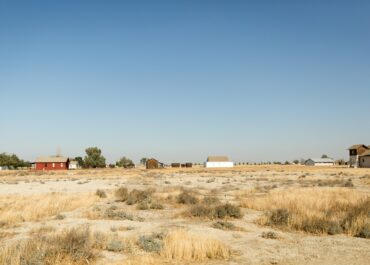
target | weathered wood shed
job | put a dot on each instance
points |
(153, 164)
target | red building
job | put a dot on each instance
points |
(52, 163)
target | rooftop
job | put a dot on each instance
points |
(322, 160)
(356, 146)
(366, 153)
(218, 159)
(52, 159)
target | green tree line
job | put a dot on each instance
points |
(12, 161)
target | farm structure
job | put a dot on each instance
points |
(186, 165)
(153, 164)
(319, 162)
(364, 159)
(359, 156)
(73, 164)
(52, 163)
(218, 161)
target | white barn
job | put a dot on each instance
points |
(218, 161)
(319, 162)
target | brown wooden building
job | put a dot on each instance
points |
(359, 155)
(153, 164)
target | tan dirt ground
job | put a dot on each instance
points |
(247, 245)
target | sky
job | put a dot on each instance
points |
(182, 80)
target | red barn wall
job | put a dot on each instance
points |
(49, 166)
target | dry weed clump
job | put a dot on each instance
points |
(121, 194)
(224, 225)
(18, 208)
(220, 211)
(315, 210)
(133, 197)
(72, 247)
(100, 193)
(269, 235)
(211, 200)
(182, 245)
(151, 243)
(186, 198)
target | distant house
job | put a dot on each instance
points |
(359, 156)
(364, 159)
(153, 164)
(319, 162)
(187, 165)
(52, 163)
(218, 161)
(73, 164)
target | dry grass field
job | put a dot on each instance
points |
(244, 215)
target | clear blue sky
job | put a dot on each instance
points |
(181, 80)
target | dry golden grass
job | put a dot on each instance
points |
(108, 173)
(18, 208)
(70, 247)
(316, 210)
(182, 245)
(142, 260)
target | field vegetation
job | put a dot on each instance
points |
(245, 215)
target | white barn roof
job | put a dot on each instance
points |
(322, 160)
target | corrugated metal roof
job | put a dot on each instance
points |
(217, 159)
(52, 159)
(322, 160)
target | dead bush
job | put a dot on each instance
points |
(209, 200)
(72, 246)
(121, 194)
(213, 212)
(137, 196)
(269, 235)
(100, 193)
(314, 210)
(151, 243)
(223, 225)
(186, 198)
(227, 210)
(202, 211)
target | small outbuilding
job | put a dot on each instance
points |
(364, 159)
(52, 163)
(175, 165)
(73, 164)
(218, 161)
(319, 162)
(153, 164)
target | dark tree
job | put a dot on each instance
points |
(94, 158)
(80, 161)
(143, 160)
(125, 162)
